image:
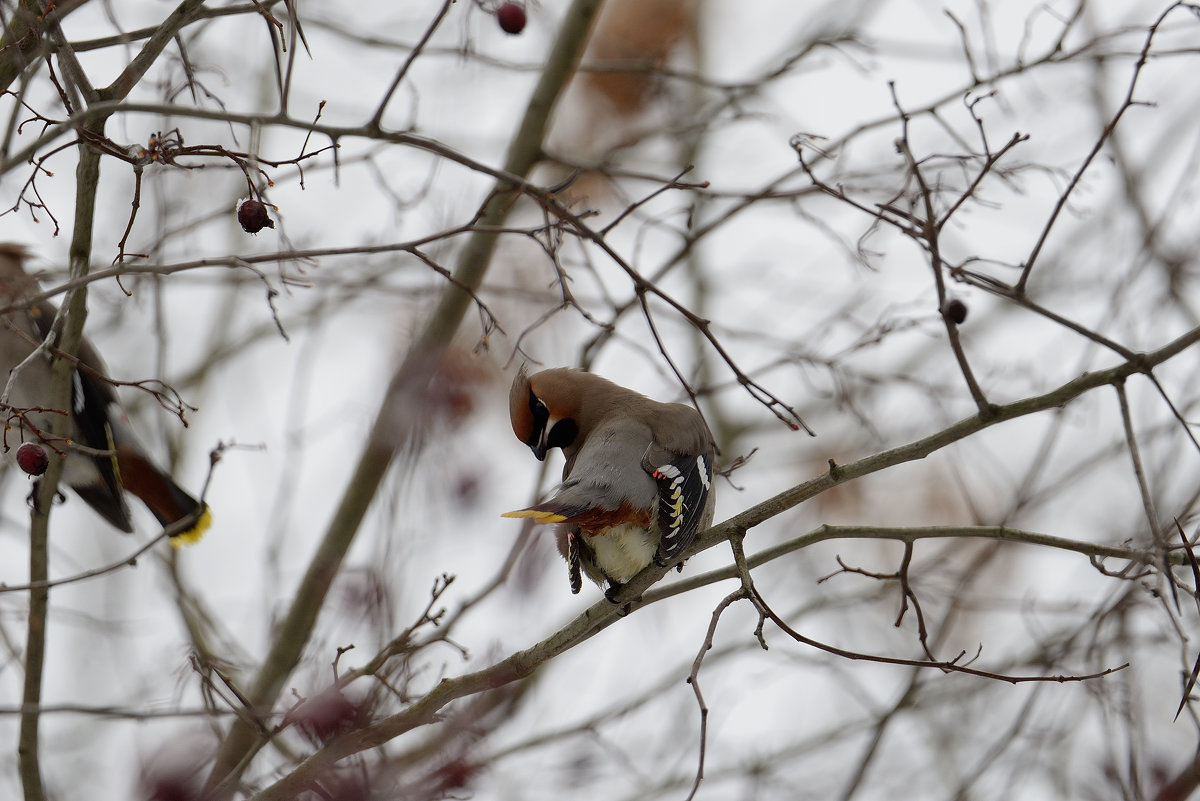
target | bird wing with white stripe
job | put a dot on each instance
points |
(683, 487)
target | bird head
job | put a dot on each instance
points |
(544, 409)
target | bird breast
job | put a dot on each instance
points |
(621, 551)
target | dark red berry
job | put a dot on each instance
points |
(253, 216)
(955, 310)
(326, 715)
(171, 787)
(511, 17)
(32, 458)
(455, 774)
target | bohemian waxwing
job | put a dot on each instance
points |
(637, 484)
(98, 421)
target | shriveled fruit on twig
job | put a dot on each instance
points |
(253, 217)
(32, 458)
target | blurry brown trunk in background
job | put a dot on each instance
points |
(632, 41)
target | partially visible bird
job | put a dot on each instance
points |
(97, 418)
(637, 484)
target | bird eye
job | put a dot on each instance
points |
(540, 412)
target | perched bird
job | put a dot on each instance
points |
(97, 419)
(637, 484)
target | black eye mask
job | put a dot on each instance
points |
(562, 435)
(540, 416)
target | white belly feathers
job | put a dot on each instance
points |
(622, 551)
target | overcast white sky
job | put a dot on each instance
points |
(856, 346)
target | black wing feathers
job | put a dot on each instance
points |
(683, 487)
(91, 400)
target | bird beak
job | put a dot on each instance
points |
(541, 444)
(539, 447)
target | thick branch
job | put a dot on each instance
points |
(604, 613)
(184, 13)
(87, 178)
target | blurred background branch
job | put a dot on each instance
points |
(820, 215)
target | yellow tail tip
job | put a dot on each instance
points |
(193, 535)
(537, 515)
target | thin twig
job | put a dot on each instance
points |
(694, 680)
(1126, 104)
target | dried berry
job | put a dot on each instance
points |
(32, 458)
(171, 787)
(511, 17)
(325, 716)
(955, 310)
(454, 775)
(253, 216)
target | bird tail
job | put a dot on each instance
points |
(202, 517)
(587, 516)
(538, 514)
(169, 503)
(553, 510)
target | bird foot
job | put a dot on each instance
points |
(660, 562)
(614, 590)
(31, 498)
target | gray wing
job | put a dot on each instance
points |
(605, 483)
